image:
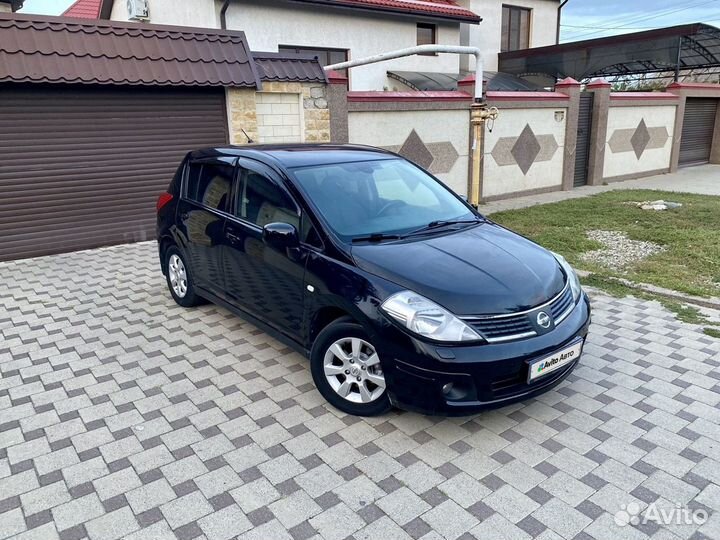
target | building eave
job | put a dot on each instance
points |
(400, 11)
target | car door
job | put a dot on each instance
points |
(261, 279)
(202, 210)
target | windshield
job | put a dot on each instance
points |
(383, 197)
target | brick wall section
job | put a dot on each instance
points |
(278, 117)
(269, 115)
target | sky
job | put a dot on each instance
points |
(588, 19)
(46, 7)
(582, 19)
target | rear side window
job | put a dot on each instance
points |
(210, 184)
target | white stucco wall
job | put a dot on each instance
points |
(269, 23)
(199, 13)
(391, 129)
(652, 159)
(503, 179)
(486, 35)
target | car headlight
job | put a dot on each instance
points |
(571, 275)
(426, 318)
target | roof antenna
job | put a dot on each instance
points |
(249, 140)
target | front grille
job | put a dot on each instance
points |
(498, 328)
(562, 305)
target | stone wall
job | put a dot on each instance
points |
(432, 131)
(639, 140)
(316, 112)
(524, 151)
(280, 112)
(242, 115)
(531, 148)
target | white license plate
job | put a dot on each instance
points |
(540, 368)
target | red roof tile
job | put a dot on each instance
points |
(448, 9)
(84, 9)
(60, 50)
(288, 67)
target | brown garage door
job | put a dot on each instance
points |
(697, 132)
(82, 167)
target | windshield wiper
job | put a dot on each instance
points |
(442, 223)
(376, 237)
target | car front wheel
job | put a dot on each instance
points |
(347, 370)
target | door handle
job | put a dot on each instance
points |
(232, 237)
(184, 216)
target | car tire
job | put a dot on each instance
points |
(343, 361)
(179, 280)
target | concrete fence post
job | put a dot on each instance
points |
(338, 105)
(715, 149)
(572, 89)
(677, 89)
(598, 137)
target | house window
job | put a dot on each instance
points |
(426, 35)
(515, 28)
(326, 57)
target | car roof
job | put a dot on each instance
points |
(297, 155)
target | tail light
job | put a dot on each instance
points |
(163, 199)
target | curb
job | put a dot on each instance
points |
(712, 302)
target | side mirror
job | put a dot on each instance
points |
(280, 235)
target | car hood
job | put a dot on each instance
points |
(481, 270)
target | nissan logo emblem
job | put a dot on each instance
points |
(543, 319)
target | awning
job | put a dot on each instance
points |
(57, 50)
(494, 81)
(289, 67)
(690, 46)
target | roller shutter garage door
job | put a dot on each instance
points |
(82, 167)
(697, 132)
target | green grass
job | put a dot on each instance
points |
(712, 332)
(684, 312)
(691, 235)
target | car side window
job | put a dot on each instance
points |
(261, 201)
(309, 234)
(210, 184)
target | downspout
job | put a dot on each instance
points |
(479, 111)
(223, 11)
(557, 34)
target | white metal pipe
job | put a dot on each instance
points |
(419, 49)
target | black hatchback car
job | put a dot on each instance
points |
(399, 291)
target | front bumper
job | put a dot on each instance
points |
(482, 376)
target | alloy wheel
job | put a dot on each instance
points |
(352, 367)
(178, 276)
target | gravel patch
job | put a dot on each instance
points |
(619, 251)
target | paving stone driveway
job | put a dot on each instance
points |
(125, 416)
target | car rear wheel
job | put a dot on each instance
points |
(347, 370)
(179, 280)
